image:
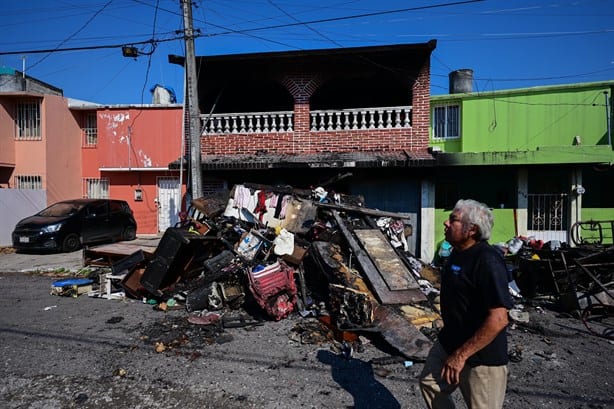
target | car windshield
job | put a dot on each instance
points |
(61, 209)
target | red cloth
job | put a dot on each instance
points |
(261, 206)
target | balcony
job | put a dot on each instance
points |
(252, 122)
(320, 120)
(361, 119)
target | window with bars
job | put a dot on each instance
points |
(96, 188)
(90, 129)
(446, 121)
(28, 120)
(28, 182)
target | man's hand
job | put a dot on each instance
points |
(452, 368)
(495, 322)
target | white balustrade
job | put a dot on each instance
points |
(372, 118)
(252, 122)
(321, 120)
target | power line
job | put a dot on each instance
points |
(245, 31)
(327, 20)
(92, 47)
(561, 77)
(305, 24)
(74, 34)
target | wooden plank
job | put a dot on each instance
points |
(369, 269)
(363, 210)
(394, 272)
(105, 255)
(401, 334)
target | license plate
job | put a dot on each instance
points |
(23, 239)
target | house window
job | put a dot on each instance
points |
(94, 188)
(28, 120)
(90, 130)
(446, 121)
(28, 182)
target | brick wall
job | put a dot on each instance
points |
(302, 141)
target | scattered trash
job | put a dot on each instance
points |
(519, 315)
(341, 266)
(71, 287)
(120, 372)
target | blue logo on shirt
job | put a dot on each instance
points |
(456, 270)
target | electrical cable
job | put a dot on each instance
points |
(75, 33)
(271, 2)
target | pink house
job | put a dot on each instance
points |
(126, 151)
(39, 143)
(69, 149)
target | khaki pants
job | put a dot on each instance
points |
(482, 387)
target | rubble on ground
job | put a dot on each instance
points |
(263, 253)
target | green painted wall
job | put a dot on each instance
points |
(525, 119)
(601, 233)
(597, 214)
(503, 230)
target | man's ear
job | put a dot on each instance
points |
(474, 232)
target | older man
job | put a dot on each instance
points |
(471, 351)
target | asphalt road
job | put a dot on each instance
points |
(84, 352)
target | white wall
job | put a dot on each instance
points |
(15, 204)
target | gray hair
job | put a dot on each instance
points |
(477, 214)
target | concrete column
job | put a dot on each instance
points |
(427, 221)
(522, 214)
(575, 200)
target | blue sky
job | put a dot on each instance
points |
(508, 44)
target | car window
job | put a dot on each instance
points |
(98, 209)
(120, 207)
(116, 207)
(61, 209)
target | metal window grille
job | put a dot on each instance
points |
(446, 121)
(548, 212)
(28, 120)
(28, 182)
(94, 188)
(90, 130)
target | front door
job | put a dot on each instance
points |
(169, 202)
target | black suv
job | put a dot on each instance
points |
(67, 225)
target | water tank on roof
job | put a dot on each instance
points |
(461, 81)
(162, 95)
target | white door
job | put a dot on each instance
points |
(169, 202)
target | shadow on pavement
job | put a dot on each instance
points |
(356, 377)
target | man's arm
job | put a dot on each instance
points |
(495, 322)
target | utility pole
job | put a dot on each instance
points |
(192, 101)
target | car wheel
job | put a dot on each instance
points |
(129, 233)
(72, 242)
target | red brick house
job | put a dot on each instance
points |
(304, 117)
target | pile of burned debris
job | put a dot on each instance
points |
(268, 252)
(286, 251)
(577, 280)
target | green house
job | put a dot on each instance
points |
(541, 157)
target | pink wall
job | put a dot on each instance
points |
(7, 142)
(134, 148)
(131, 138)
(123, 185)
(62, 134)
(56, 156)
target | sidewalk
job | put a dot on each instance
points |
(12, 262)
